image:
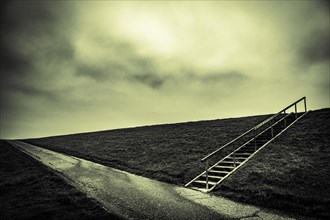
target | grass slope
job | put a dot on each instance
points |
(290, 174)
(170, 153)
(28, 190)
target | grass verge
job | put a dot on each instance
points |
(30, 191)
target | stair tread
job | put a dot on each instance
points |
(237, 158)
(204, 182)
(223, 167)
(230, 162)
(218, 171)
(211, 176)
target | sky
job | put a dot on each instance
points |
(80, 66)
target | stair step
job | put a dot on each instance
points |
(236, 158)
(225, 167)
(204, 182)
(251, 151)
(219, 171)
(231, 162)
(214, 177)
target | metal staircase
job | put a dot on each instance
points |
(244, 147)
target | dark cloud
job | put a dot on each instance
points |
(152, 80)
(33, 91)
(216, 77)
(12, 62)
(103, 72)
(224, 77)
(77, 61)
(31, 32)
(316, 47)
(325, 3)
(27, 16)
(34, 39)
(123, 63)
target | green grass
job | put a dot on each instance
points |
(290, 174)
(28, 190)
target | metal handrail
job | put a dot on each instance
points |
(205, 172)
(256, 127)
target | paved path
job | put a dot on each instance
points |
(136, 197)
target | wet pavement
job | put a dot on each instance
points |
(135, 197)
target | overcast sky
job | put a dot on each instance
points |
(70, 67)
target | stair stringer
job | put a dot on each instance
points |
(247, 159)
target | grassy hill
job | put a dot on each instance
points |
(290, 174)
(169, 153)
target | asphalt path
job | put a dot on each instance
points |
(135, 197)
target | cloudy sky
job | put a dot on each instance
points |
(69, 67)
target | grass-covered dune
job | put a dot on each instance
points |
(290, 174)
(29, 190)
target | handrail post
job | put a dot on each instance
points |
(305, 104)
(234, 155)
(295, 109)
(284, 119)
(207, 174)
(271, 128)
(234, 159)
(255, 141)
